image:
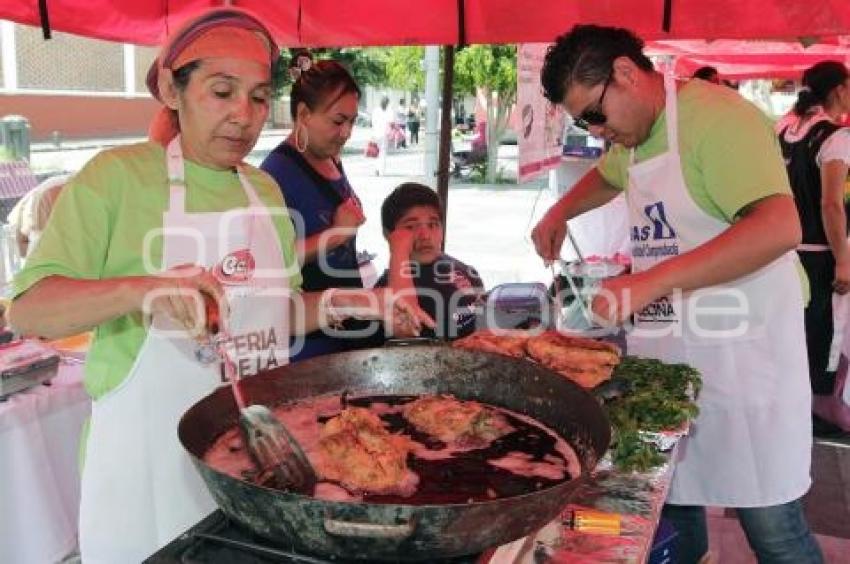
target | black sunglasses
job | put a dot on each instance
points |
(594, 114)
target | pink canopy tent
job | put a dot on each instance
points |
(336, 23)
(740, 59)
(446, 22)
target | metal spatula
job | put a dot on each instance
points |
(275, 451)
(278, 456)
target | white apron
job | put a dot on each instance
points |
(751, 443)
(139, 489)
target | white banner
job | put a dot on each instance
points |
(541, 124)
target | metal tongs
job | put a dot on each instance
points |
(275, 452)
(586, 313)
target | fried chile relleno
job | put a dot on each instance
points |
(462, 423)
(358, 452)
(508, 343)
(587, 362)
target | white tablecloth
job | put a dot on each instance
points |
(39, 474)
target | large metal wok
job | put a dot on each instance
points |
(397, 531)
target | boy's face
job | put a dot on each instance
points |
(427, 228)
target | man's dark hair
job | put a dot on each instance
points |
(406, 196)
(322, 84)
(706, 73)
(585, 55)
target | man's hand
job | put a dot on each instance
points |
(618, 298)
(401, 243)
(548, 236)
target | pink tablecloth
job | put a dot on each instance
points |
(39, 475)
(637, 498)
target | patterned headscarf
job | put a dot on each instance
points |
(221, 32)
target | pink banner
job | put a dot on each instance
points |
(541, 124)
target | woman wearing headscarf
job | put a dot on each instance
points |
(325, 209)
(817, 155)
(138, 240)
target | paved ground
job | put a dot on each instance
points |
(827, 507)
(487, 225)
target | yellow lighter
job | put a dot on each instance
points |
(594, 522)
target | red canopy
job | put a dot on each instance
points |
(747, 59)
(430, 22)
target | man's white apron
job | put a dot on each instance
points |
(139, 489)
(751, 443)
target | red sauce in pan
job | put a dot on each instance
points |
(530, 458)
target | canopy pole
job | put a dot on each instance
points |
(443, 165)
(45, 18)
(444, 161)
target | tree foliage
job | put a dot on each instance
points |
(367, 65)
(489, 73)
(404, 67)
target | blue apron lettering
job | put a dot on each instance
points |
(641, 233)
(660, 308)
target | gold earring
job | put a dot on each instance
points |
(301, 148)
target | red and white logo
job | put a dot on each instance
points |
(236, 268)
(459, 280)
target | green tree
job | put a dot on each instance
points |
(367, 65)
(489, 73)
(404, 68)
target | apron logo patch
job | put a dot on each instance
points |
(661, 227)
(236, 268)
(644, 237)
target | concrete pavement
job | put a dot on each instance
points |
(487, 225)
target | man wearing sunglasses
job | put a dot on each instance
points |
(713, 229)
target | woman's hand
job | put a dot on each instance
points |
(183, 294)
(402, 315)
(347, 218)
(399, 311)
(349, 215)
(841, 284)
(406, 317)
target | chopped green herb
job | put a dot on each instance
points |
(657, 397)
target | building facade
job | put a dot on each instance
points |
(72, 87)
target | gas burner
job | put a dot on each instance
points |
(217, 539)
